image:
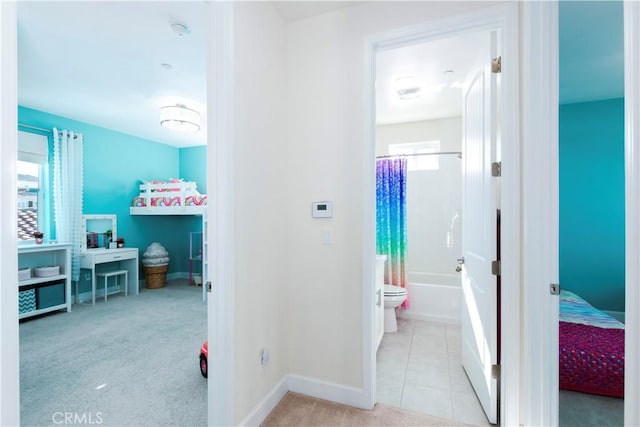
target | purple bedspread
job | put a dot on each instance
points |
(591, 359)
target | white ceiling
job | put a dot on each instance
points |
(440, 66)
(100, 62)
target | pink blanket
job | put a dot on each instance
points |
(591, 359)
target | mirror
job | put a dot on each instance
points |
(99, 230)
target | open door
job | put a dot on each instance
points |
(479, 242)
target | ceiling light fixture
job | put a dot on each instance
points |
(408, 87)
(180, 29)
(180, 118)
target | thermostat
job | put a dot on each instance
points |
(322, 209)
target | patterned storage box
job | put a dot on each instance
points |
(27, 301)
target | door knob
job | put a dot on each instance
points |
(460, 262)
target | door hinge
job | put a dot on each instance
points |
(209, 287)
(554, 289)
(495, 268)
(496, 169)
(496, 65)
(495, 371)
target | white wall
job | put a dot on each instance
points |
(260, 202)
(325, 111)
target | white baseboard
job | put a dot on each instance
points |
(264, 408)
(450, 320)
(333, 392)
(326, 390)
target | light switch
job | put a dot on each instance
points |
(327, 236)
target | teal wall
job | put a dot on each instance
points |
(592, 230)
(114, 165)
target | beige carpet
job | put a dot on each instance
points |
(299, 410)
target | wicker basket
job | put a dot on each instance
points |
(156, 276)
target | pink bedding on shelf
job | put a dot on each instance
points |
(173, 185)
(160, 201)
(591, 347)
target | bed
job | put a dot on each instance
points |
(591, 348)
(171, 197)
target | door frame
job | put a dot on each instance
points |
(9, 341)
(632, 211)
(220, 215)
(504, 18)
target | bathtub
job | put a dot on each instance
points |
(434, 297)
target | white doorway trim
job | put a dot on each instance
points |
(9, 353)
(220, 214)
(632, 214)
(539, 200)
(504, 18)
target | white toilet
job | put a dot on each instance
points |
(393, 297)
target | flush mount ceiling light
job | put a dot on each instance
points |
(180, 118)
(407, 87)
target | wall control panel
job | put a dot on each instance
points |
(322, 209)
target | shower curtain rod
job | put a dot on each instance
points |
(459, 153)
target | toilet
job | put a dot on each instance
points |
(393, 297)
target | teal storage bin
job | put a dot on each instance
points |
(26, 301)
(51, 295)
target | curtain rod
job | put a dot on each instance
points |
(35, 128)
(41, 129)
(458, 153)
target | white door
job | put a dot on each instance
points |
(479, 204)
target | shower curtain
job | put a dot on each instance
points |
(391, 219)
(67, 193)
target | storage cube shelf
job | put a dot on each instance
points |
(52, 290)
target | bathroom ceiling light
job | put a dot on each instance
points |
(408, 87)
(180, 118)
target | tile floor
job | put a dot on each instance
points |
(420, 369)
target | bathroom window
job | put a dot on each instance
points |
(417, 154)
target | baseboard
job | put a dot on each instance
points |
(345, 395)
(333, 392)
(450, 320)
(264, 408)
(179, 275)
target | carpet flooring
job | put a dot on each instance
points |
(299, 410)
(128, 362)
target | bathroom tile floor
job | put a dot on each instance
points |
(420, 369)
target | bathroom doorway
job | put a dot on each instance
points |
(419, 118)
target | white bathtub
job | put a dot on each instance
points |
(434, 297)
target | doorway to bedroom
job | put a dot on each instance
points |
(133, 357)
(592, 214)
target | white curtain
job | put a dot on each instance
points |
(67, 193)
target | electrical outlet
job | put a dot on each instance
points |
(264, 357)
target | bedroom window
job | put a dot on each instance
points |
(31, 171)
(416, 162)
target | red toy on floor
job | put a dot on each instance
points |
(204, 354)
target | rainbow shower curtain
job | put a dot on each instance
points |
(391, 219)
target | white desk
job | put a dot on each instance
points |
(126, 257)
